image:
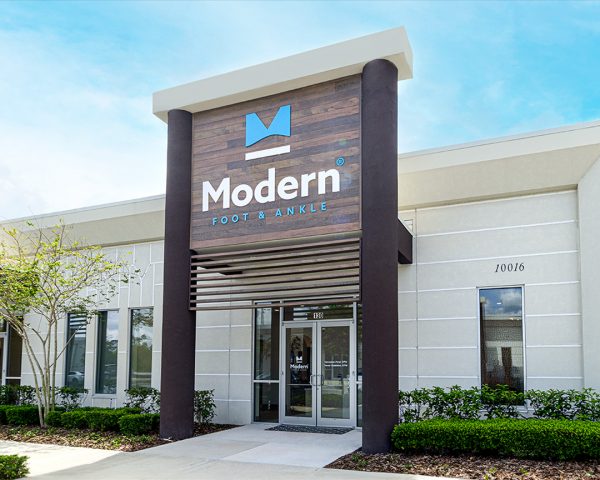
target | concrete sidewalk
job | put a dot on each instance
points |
(247, 452)
(45, 458)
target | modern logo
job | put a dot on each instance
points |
(257, 131)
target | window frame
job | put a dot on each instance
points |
(269, 306)
(129, 338)
(68, 346)
(97, 351)
(523, 329)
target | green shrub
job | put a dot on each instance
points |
(3, 409)
(103, 420)
(572, 404)
(75, 418)
(17, 395)
(204, 406)
(54, 418)
(458, 403)
(500, 401)
(437, 402)
(138, 424)
(70, 398)
(531, 438)
(147, 399)
(13, 466)
(22, 415)
(129, 410)
(25, 394)
(7, 396)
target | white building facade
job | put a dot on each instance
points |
(502, 287)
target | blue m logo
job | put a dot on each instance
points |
(256, 130)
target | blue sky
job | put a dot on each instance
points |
(76, 79)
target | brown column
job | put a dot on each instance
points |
(179, 325)
(379, 253)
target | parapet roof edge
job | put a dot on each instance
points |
(122, 205)
(288, 73)
(537, 141)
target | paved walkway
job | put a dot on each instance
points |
(45, 458)
(247, 452)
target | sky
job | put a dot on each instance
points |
(76, 79)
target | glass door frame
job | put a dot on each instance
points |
(316, 374)
(336, 422)
(283, 362)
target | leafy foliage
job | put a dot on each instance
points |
(70, 398)
(22, 415)
(98, 419)
(13, 466)
(17, 395)
(204, 406)
(54, 418)
(103, 420)
(531, 438)
(147, 399)
(139, 424)
(459, 403)
(565, 404)
(3, 409)
(74, 419)
(500, 401)
(47, 275)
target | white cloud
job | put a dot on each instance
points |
(67, 138)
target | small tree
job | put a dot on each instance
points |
(45, 275)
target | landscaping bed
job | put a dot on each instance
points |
(107, 440)
(467, 466)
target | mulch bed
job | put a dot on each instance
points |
(472, 467)
(93, 439)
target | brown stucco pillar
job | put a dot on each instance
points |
(379, 253)
(179, 326)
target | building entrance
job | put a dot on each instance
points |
(318, 372)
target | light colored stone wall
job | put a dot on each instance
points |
(224, 362)
(145, 290)
(589, 215)
(457, 248)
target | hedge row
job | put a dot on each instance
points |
(532, 438)
(127, 420)
(497, 402)
(19, 415)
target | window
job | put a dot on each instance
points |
(266, 365)
(501, 319)
(75, 364)
(140, 348)
(15, 349)
(106, 365)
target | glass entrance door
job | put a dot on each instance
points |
(299, 374)
(318, 373)
(335, 388)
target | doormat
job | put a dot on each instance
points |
(311, 429)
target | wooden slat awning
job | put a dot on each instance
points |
(286, 275)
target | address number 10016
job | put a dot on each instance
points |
(509, 267)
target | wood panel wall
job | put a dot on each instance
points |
(325, 125)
